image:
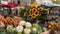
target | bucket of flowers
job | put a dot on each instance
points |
(34, 12)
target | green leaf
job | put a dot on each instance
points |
(2, 31)
(12, 15)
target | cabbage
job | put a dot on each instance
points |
(44, 29)
(35, 26)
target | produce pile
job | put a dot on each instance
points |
(16, 25)
(9, 20)
(27, 21)
(53, 27)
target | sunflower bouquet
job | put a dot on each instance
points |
(34, 12)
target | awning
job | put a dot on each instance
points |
(9, 4)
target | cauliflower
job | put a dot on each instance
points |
(27, 31)
(34, 29)
(9, 28)
(22, 23)
(14, 29)
(19, 28)
(28, 24)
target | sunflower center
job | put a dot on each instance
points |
(30, 16)
(34, 7)
(25, 14)
(40, 9)
(33, 15)
(31, 11)
(36, 12)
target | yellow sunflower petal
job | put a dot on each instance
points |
(31, 5)
(34, 5)
(30, 16)
(40, 9)
(40, 14)
(30, 11)
(25, 14)
(47, 11)
(34, 9)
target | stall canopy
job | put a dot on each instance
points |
(9, 4)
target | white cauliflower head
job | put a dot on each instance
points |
(19, 28)
(9, 28)
(22, 23)
(27, 31)
(28, 24)
(14, 29)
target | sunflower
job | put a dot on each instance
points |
(47, 11)
(30, 16)
(34, 9)
(25, 14)
(36, 13)
(33, 16)
(31, 5)
(40, 9)
(30, 11)
(40, 14)
(34, 5)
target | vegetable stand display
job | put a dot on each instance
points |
(31, 19)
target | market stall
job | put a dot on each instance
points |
(33, 18)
